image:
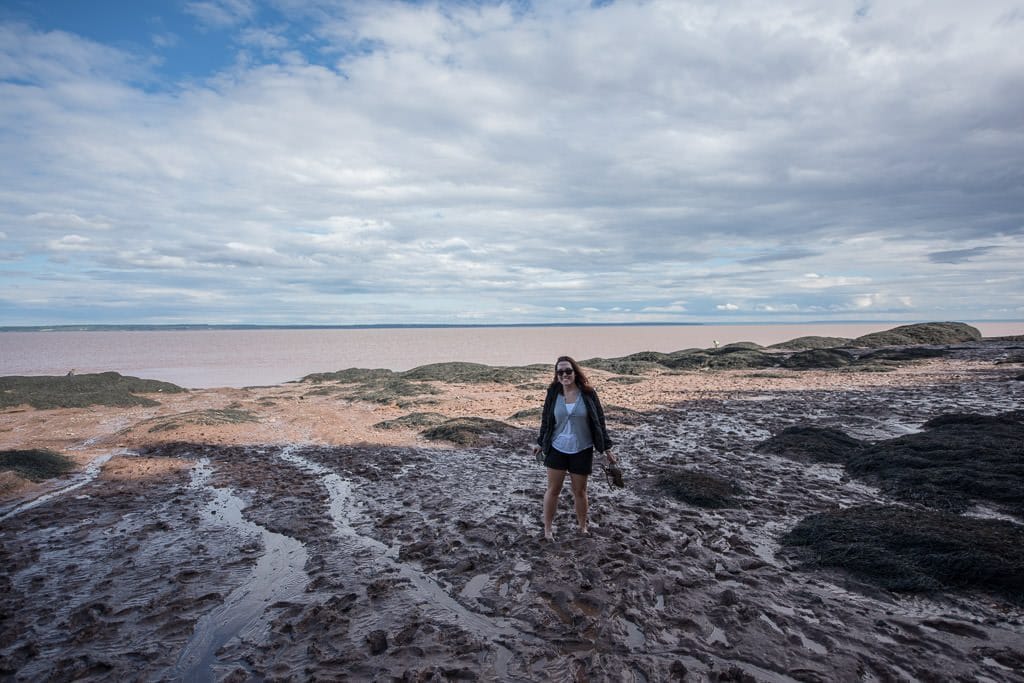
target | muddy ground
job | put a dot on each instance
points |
(293, 540)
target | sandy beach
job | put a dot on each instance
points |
(307, 531)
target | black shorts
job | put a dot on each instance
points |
(576, 463)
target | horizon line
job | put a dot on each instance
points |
(99, 327)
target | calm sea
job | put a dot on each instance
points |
(237, 358)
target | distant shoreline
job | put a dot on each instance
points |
(397, 326)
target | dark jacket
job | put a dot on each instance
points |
(595, 418)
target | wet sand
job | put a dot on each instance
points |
(310, 545)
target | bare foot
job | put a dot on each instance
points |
(548, 535)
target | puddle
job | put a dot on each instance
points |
(76, 481)
(278, 575)
(473, 589)
(635, 638)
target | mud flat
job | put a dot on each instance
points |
(326, 536)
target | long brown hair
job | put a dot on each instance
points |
(581, 380)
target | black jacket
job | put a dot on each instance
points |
(595, 418)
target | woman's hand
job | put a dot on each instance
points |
(536, 450)
(611, 456)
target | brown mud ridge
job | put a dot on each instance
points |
(737, 552)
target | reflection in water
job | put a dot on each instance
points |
(278, 575)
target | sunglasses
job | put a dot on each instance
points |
(567, 371)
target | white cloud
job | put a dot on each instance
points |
(675, 307)
(67, 220)
(780, 158)
(221, 13)
(70, 243)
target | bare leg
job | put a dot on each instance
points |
(555, 480)
(579, 497)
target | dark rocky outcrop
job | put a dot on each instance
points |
(903, 549)
(35, 464)
(474, 373)
(812, 342)
(921, 333)
(956, 461)
(80, 391)
(818, 358)
(468, 431)
(903, 354)
(412, 420)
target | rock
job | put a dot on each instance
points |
(812, 342)
(921, 333)
(378, 642)
(728, 598)
(818, 358)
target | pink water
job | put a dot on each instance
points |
(236, 358)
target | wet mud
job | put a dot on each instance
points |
(311, 561)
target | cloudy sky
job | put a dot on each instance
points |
(332, 162)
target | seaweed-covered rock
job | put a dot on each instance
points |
(649, 356)
(412, 420)
(811, 342)
(699, 489)
(689, 360)
(807, 443)
(921, 333)
(738, 346)
(349, 376)
(818, 358)
(35, 464)
(474, 373)
(208, 417)
(903, 354)
(390, 389)
(958, 460)
(80, 391)
(467, 431)
(902, 549)
(739, 358)
(622, 366)
(529, 414)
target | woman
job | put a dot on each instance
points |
(571, 428)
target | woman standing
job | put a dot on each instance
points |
(571, 428)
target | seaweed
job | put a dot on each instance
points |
(921, 333)
(528, 414)
(208, 417)
(699, 489)
(622, 366)
(904, 354)
(81, 391)
(473, 373)
(349, 376)
(466, 431)
(35, 464)
(807, 443)
(811, 342)
(390, 390)
(908, 550)
(412, 420)
(818, 358)
(957, 460)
